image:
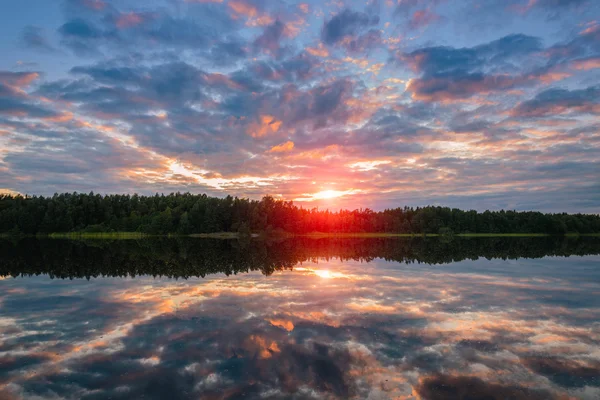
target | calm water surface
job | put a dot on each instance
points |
(300, 319)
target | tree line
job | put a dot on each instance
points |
(184, 257)
(186, 213)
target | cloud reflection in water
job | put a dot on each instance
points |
(497, 329)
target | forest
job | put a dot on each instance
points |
(186, 213)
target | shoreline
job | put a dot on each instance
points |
(281, 235)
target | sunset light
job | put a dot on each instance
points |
(325, 195)
(323, 273)
(293, 199)
(328, 194)
(398, 101)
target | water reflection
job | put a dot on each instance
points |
(183, 258)
(341, 328)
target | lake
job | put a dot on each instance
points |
(409, 318)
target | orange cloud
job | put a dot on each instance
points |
(255, 17)
(63, 117)
(9, 192)
(266, 348)
(243, 8)
(282, 323)
(18, 79)
(553, 76)
(590, 63)
(267, 124)
(282, 148)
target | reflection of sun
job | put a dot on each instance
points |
(323, 273)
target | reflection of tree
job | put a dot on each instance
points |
(182, 258)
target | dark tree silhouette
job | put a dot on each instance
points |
(187, 213)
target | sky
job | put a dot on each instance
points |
(488, 104)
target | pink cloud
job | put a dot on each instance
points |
(587, 63)
(129, 20)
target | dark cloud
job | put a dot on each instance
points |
(443, 387)
(365, 42)
(227, 52)
(111, 75)
(449, 73)
(458, 85)
(168, 84)
(79, 28)
(269, 40)
(34, 37)
(559, 101)
(327, 98)
(346, 24)
(16, 104)
(437, 60)
(469, 127)
(82, 37)
(98, 30)
(564, 372)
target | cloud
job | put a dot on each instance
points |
(364, 43)
(18, 79)
(227, 52)
(560, 101)
(269, 40)
(346, 24)
(215, 335)
(14, 102)
(458, 85)
(266, 125)
(404, 7)
(449, 73)
(34, 37)
(195, 94)
(283, 147)
(432, 60)
(423, 18)
(100, 30)
(563, 372)
(445, 386)
(79, 28)
(586, 63)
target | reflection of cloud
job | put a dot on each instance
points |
(384, 331)
(287, 325)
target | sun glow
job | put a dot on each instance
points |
(325, 195)
(328, 194)
(323, 273)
